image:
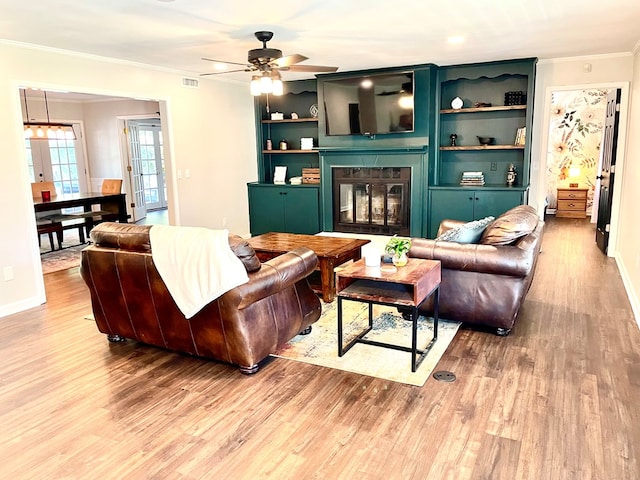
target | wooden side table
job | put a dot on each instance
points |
(406, 286)
(572, 203)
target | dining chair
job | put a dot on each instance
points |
(107, 212)
(53, 221)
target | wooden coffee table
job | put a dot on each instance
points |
(331, 252)
(406, 286)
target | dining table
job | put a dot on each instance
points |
(106, 201)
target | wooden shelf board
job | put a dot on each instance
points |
(291, 120)
(485, 147)
(289, 151)
(500, 108)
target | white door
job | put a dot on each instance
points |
(146, 166)
(59, 161)
(134, 168)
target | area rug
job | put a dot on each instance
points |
(321, 346)
(61, 259)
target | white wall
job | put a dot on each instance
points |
(210, 132)
(628, 255)
(103, 130)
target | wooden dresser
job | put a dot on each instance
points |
(572, 202)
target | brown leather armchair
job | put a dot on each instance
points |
(241, 327)
(486, 283)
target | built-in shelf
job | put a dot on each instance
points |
(292, 120)
(289, 151)
(500, 108)
(485, 147)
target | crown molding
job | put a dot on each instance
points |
(583, 58)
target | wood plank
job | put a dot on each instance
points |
(558, 398)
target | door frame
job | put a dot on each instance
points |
(539, 200)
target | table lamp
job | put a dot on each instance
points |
(574, 173)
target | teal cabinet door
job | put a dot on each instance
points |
(265, 210)
(495, 203)
(455, 204)
(290, 209)
(468, 205)
(301, 210)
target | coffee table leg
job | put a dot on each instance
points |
(328, 280)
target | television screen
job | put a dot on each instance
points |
(369, 104)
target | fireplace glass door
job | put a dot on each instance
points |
(371, 200)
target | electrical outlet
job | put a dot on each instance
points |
(7, 273)
(494, 166)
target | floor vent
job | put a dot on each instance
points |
(190, 82)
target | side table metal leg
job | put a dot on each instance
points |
(340, 326)
(436, 306)
(414, 338)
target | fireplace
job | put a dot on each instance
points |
(371, 200)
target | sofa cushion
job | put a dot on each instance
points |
(469, 232)
(245, 252)
(510, 226)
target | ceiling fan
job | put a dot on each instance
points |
(267, 63)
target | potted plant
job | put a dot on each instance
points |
(398, 247)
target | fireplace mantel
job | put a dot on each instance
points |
(412, 157)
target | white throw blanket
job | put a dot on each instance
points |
(196, 264)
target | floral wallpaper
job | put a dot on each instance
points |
(575, 134)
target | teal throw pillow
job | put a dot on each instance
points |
(470, 232)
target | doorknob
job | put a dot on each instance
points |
(599, 177)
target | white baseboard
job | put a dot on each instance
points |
(631, 293)
(20, 306)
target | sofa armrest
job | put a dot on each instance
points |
(501, 260)
(277, 274)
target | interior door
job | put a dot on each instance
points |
(607, 172)
(135, 172)
(152, 162)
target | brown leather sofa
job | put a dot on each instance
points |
(241, 327)
(485, 283)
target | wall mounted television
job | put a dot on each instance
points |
(369, 104)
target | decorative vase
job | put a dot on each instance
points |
(399, 260)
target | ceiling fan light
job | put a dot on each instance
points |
(266, 84)
(278, 88)
(255, 86)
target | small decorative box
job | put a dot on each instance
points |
(306, 143)
(277, 116)
(310, 175)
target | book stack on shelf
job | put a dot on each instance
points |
(472, 179)
(521, 134)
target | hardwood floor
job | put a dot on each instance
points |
(557, 399)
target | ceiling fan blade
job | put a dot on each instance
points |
(289, 60)
(311, 68)
(223, 61)
(226, 71)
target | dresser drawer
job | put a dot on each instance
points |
(572, 195)
(572, 205)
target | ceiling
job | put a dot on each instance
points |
(175, 34)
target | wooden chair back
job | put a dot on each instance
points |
(38, 187)
(111, 185)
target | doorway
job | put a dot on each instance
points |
(550, 176)
(575, 133)
(145, 165)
